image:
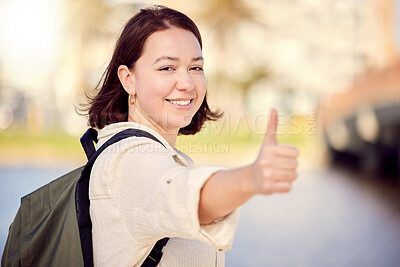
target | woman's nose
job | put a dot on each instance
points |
(185, 82)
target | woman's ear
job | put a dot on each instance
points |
(126, 78)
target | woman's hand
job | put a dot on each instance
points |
(274, 170)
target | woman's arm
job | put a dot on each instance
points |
(273, 171)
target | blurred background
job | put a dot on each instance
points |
(330, 67)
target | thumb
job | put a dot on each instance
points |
(270, 136)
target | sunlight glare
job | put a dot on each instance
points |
(29, 30)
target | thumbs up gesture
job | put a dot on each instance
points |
(274, 170)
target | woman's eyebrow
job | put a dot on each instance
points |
(166, 58)
(198, 59)
(176, 59)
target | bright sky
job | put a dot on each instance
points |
(29, 35)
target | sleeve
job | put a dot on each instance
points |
(158, 198)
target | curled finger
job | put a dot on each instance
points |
(285, 163)
(282, 187)
(285, 175)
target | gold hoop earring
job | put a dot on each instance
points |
(132, 102)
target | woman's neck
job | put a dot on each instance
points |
(168, 135)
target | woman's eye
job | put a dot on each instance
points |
(197, 68)
(166, 68)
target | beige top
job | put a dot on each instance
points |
(140, 192)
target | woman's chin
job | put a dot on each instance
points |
(181, 123)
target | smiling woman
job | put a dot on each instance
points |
(145, 193)
(155, 82)
(162, 51)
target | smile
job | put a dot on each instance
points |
(180, 102)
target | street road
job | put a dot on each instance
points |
(331, 218)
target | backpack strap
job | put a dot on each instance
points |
(155, 254)
(82, 201)
(87, 140)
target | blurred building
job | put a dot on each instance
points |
(361, 126)
(318, 48)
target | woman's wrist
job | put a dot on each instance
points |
(247, 180)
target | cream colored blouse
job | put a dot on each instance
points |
(140, 192)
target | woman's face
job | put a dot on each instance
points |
(168, 80)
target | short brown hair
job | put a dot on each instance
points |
(110, 105)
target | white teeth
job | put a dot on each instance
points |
(179, 102)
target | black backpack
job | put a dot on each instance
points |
(53, 227)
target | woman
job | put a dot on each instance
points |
(141, 190)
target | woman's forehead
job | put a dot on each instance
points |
(172, 42)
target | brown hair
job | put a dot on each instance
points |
(110, 105)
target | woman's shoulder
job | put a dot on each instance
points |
(111, 130)
(187, 159)
(152, 144)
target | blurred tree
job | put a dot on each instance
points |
(225, 20)
(84, 22)
(90, 29)
(256, 73)
(224, 17)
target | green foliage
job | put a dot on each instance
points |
(18, 146)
